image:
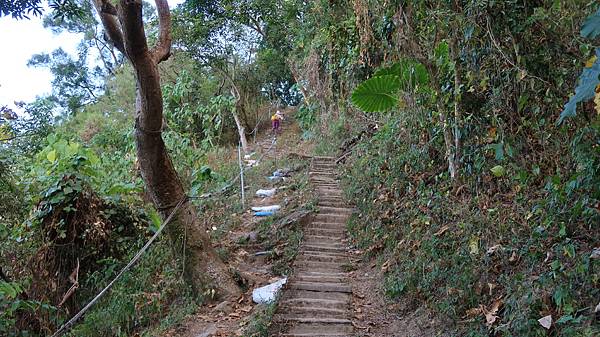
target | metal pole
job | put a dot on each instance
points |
(275, 149)
(241, 175)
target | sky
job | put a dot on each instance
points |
(20, 39)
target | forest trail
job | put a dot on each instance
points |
(317, 299)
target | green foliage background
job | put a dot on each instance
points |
(511, 82)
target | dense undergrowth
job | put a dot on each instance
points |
(464, 249)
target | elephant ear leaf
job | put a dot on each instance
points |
(591, 26)
(377, 94)
(410, 72)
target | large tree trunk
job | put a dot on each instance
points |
(203, 268)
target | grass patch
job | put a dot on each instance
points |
(260, 322)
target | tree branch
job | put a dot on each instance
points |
(130, 16)
(256, 25)
(108, 16)
(162, 49)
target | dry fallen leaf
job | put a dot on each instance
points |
(385, 266)
(493, 249)
(491, 315)
(546, 321)
(473, 312)
(513, 258)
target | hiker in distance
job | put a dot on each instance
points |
(276, 122)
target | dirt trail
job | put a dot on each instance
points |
(317, 299)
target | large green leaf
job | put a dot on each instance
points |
(585, 90)
(591, 26)
(377, 94)
(411, 73)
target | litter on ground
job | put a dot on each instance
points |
(266, 193)
(264, 213)
(272, 208)
(267, 293)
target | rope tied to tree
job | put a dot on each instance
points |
(67, 326)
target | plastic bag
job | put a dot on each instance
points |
(267, 293)
(266, 193)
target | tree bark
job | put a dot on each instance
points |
(204, 270)
(241, 129)
(236, 94)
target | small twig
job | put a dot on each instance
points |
(74, 278)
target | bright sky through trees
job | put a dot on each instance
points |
(21, 39)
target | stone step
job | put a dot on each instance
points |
(326, 178)
(308, 267)
(312, 320)
(338, 231)
(316, 334)
(332, 218)
(325, 329)
(327, 186)
(330, 209)
(324, 171)
(311, 302)
(330, 198)
(323, 252)
(329, 190)
(303, 264)
(336, 248)
(312, 238)
(317, 278)
(324, 168)
(339, 226)
(316, 295)
(331, 203)
(322, 258)
(317, 311)
(338, 199)
(321, 287)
